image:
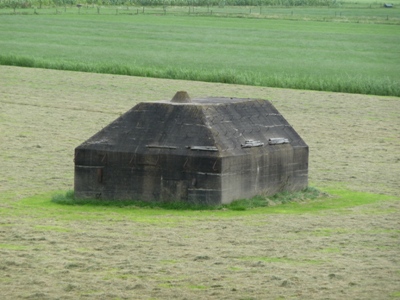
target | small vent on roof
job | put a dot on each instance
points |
(277, 141)
(203, 148)
(252, 143)
(181, 97)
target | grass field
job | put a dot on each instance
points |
(341, 247)
(345, 246)
(332, 56)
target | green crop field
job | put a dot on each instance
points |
(354, 50)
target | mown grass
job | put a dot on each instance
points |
(284, 260)
(328, 56)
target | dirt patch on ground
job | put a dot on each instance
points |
(348, 254)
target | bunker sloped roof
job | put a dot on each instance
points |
(205, 126)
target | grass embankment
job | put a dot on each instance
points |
(339, 57)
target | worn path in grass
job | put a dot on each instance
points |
(49, 251)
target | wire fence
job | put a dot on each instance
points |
(361, 12)
(205, 3)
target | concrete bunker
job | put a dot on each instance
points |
(202, 151)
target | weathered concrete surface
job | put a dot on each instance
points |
(204, 151)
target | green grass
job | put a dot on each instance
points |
(309, 193)
(395, 295)
(329, 56)
(12, 247)
(69, 199)
(239, 205)
(44, 207)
